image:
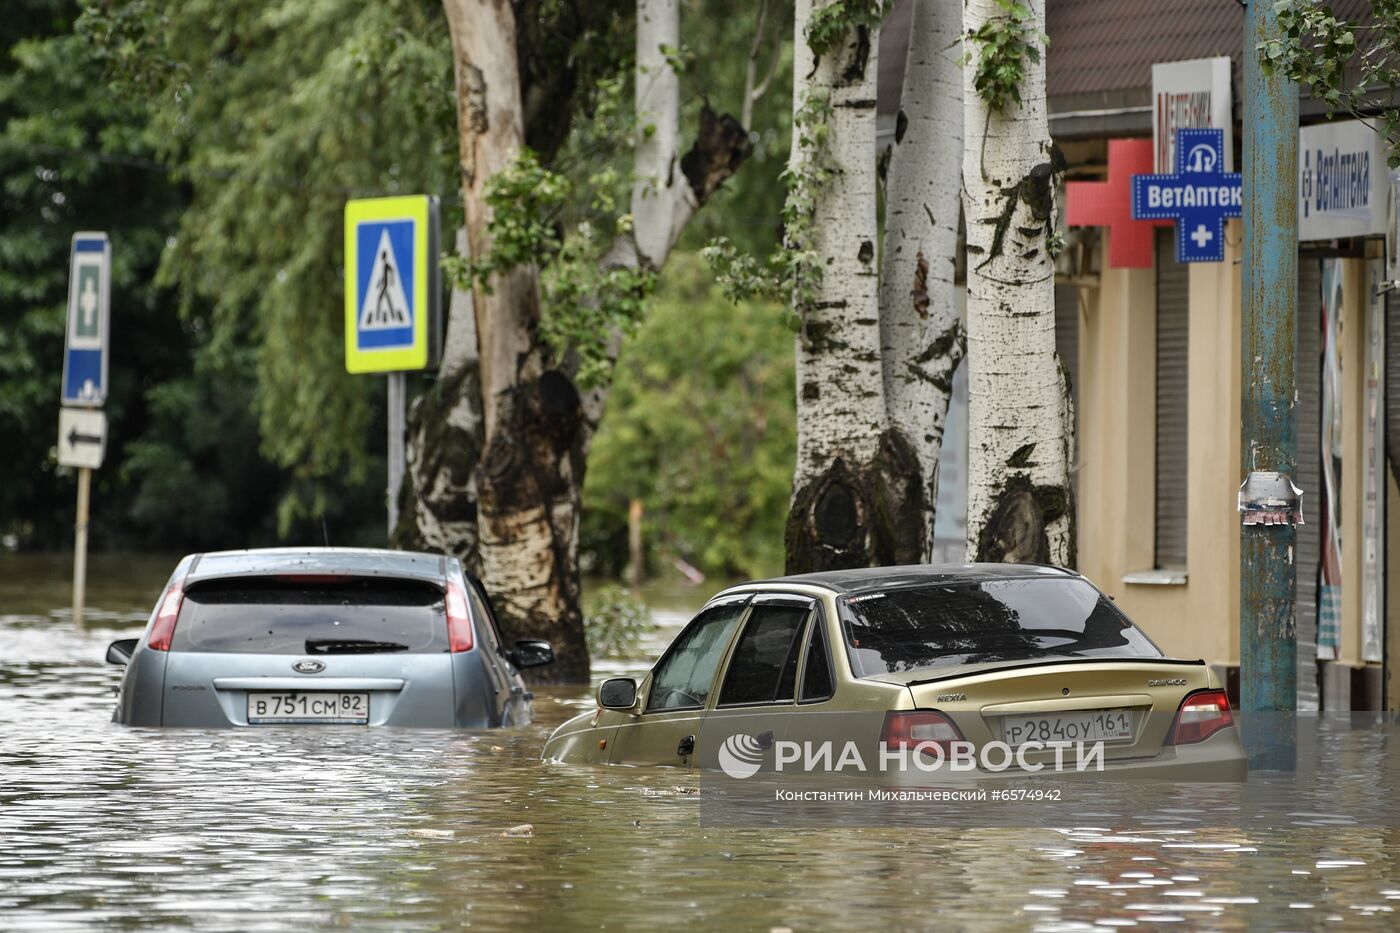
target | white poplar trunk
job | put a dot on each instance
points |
(855, 497)
(840, 392)
(656, 178)
(1018, 417)
(920, 321)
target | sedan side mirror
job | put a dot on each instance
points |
(121, 650)
(530, 652)
(617, 693)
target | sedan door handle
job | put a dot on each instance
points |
(765, 739)
(686, 747)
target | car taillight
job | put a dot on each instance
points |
(459, 620)
(1202, 714)
(919, 727)
(166, 617)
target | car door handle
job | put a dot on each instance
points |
(765, 739)
(686, 747)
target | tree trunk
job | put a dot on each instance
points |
(535, 425)
(1020, 504)
(856, 481)
(921, 332)
(437, 501)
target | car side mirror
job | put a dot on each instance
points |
(121, 650)
(530, 652)
(617, 693)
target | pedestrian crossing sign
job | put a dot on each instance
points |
(393, 292)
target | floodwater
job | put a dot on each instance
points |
(348, 828)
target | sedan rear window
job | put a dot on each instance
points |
(917, 627)
(312, 615)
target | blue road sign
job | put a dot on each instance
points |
(89, 300)
(392, 295)
(1198, 196)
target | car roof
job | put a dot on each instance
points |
(369, 562)
(864, 579)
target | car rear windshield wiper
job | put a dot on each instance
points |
(351, 646)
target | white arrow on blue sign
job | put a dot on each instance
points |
(1198, 196)
(89, 299)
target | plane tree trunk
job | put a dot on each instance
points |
(519, 487)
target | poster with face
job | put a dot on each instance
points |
(1329, 590)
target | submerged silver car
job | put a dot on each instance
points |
(323, 636)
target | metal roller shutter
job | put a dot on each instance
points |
(1173, 287)
(1309, 478)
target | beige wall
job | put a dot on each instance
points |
(1197, 618)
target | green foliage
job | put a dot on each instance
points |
(1004, 44)
(793, 272)
(701, 428)
(274, 116)
(616, 623)
(1317, 48)
(183, 469)
(828, 26)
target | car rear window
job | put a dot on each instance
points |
(918, 627)
(312, 615)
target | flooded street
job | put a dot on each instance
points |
(349, 828)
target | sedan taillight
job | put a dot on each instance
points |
(459, 620)
(1202, 714)
(919, 727)
(166, 616)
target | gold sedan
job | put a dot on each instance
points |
(981, 670)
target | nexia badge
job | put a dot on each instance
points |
(1198, 196)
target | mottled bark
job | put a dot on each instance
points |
(921, 332)
(856, 483)
(508, 391)
(1019, 418)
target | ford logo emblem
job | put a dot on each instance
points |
(308, 667)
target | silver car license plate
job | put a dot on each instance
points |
(315, 706)
(1104, 725)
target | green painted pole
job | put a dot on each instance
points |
(1268, 436)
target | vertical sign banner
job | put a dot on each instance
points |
(1373, 471)
(89, 300)
(1191, 94)
(1342, 181)
(1329, 590)
(393, 293)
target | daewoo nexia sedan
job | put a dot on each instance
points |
(917, 657)
(323, 636)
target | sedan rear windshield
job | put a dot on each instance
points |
(312, 615)
(917, 627)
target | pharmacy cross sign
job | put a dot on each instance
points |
(1109, 204)
(1199, 195)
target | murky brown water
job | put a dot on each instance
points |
(344, 827)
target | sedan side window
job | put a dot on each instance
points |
(764, 666)
(682, 680)
(816, 675)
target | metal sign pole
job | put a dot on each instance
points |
(80, 528)
(397, 398)
(1268, 575)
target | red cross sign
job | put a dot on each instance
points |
(1110, 204)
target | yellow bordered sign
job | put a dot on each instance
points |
(393, 293)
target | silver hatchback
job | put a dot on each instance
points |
(320, 636)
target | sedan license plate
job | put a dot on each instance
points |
(319, 706)
(1105, 725)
